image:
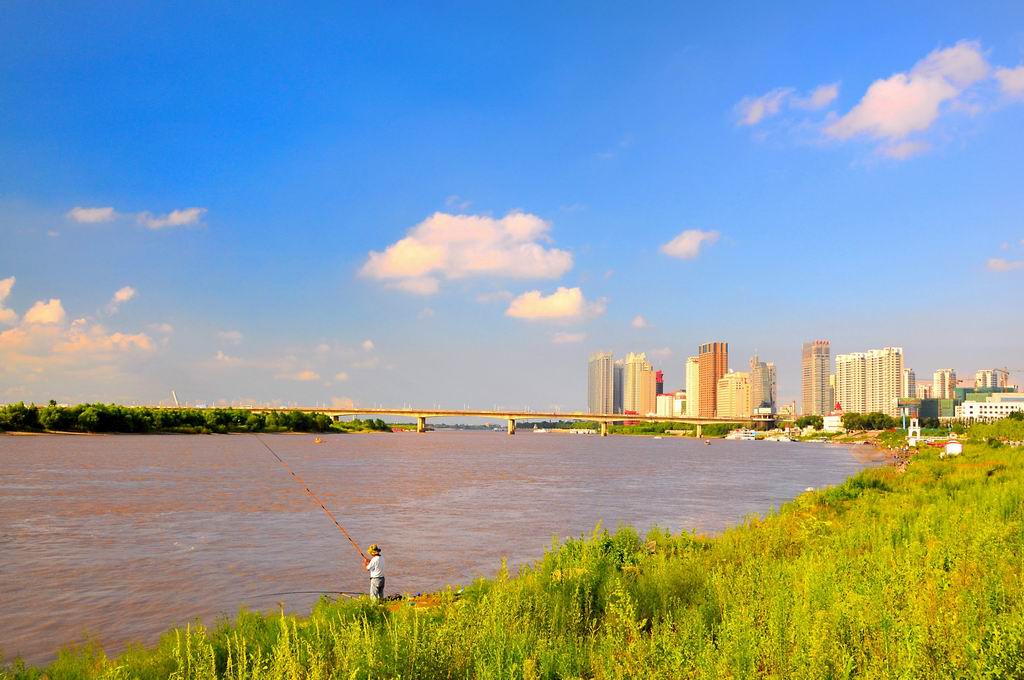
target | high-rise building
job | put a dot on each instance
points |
(851, 374)
(713, 362)
(944, 384)
(617, 386)
(884, 380)
(638, 392)
(869, 382)
(762, 384)
(659, 382)
(692, 386)
(991, 377)
(600, 383)
(909, 386)
(733, 398)
(924, 390)
(816, 394)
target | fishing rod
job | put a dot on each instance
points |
(312, 592)
(314, 497)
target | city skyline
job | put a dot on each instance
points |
(379, 205)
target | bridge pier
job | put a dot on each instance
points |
(421, 423)
(511, 425)
(604, 428)
(700, 430)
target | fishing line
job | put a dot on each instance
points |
(314, 497)
(311, 592)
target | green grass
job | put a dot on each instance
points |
(914, 575)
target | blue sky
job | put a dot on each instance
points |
(531, 180)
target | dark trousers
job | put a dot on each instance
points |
(377, 588)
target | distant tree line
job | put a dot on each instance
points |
(142, 419)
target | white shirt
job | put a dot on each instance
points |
(376, 566)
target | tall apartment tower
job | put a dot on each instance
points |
(944, 383)
(712, 364)
(734, 396)
(600, 383)
(639, 390)
(762, 384)
(869, 382)
(692, 387)
(659, 382)
(618, 370)
(851, 376)
(883, 380)
(991, 377)
(817, 397)
(909, 386)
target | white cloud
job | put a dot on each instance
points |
(903, 150)
(7, 316)
(120, 297)
(175, 218)
(565, 304)
(752, 110)
(999, 264)
(416, 285)
(164, 328)
(568, 338)
(687, 244)
(227, 359)
(639, 322)
(908, 103)
(341, 376)
(456, 202)
(496, 296)
(91, 215)
(301, 376)
(368, 345)
(446, 246)
(1011, 81)
(43, 344)
(51, 312)
(124, 294)
(819, 98)
(231, 337)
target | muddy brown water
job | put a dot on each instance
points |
(118, 538)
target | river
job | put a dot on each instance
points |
(117, 538)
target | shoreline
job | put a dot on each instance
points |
(431, 598)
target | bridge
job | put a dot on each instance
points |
(511, 416)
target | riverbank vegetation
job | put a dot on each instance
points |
(143, 419)
(892, 574)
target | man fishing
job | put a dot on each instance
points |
(375, 565)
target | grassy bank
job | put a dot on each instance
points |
(913, 574)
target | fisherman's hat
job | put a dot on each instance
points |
(374, 549)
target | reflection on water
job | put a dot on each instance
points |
(121, 537)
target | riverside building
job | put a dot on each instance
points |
(712, 363)
(692, 386)
(600, 383)
(816, 394)
(870, 382)
(944, 384)
(909, 386)
(639, 390)
(763, 389)
(734, 396)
